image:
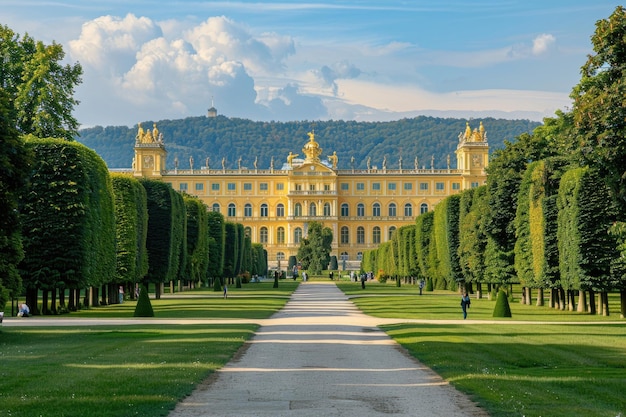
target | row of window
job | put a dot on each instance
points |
(392, 210)
(344, 186)
(344, 235)
(280, 256)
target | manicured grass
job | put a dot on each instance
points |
(541, 369)
(109, 371)
(527, 370)
(127, 370)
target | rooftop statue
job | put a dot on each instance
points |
(312, 149)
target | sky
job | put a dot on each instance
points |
(369, 60)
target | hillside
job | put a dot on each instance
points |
(232, 139)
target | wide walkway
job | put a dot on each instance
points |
(320, 356)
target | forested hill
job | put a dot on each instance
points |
(232, 139)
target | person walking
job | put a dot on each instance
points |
(225, 291)
(465, 304)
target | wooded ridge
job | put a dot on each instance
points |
(233, 138)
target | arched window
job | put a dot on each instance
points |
(280, 235)
(280, 256)
(423, 208)
(344, 256)
(232, 211)
(345, 235)
(392, 210)
(297, 235)
(376, 210)
(263, 235)
(326, 209)
(360, 235)
(360, 210)
(408, 210)
(312, 210)
(247, 210)
(216, 207)
(345, 210)
(280, 210)
(376, 235)
(297, 210)
(264, 210)
(359, 256)
(392, 229)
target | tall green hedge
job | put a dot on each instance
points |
(68, 218)
(446, 230)
(472, 236)
(197, 239)
(423, 236)
(216, 233)
(131, 219)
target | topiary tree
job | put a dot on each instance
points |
(502, 308)
(144, 306)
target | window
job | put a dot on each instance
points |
(392, 229)
(231, 186)
(359, 256)
(182, 186)
(247, 231)
(264, 210)
(376, 186)
(263, 235)
(360, 186)
(326, 187)
(456, 186)
(297, 210)
(345, 235)
(360, 235)
(297, 235)
(345, 211)
(216, 207)
(280, 256)
(360, 210)
(215, 186)
(311, 187)
(199, 186)
(424, 186)
(376, 210)
(344, 186)
(263, 186)
(280, 235)
(439, 186)
(423, 208)
(326, 209)
(247, 210)
(392, 210)
(232, 210)
(280, 210)
(408, 210)
(391, 186)
(408, 186)
(247, 186)
(280, 186)
(312, 209)
(298, 187)
(343, 256)
(474, 184)
(376, 235)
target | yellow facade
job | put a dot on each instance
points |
(361, 206)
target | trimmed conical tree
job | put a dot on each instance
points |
(502, 308)
(217, 284)
(144, 306)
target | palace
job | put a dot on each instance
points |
(363, 207)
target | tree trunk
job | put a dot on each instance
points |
(600, 304)
(622, 296)
(53, 301)
(31, 300)
(479, 290)
(562, 299)
(592, 302)
(539, 297)
(489, 291)
(582, 301)
(157, 290)
(572, 300)
(605, 303)
(44, 303)
(529, 296)
(62, 297)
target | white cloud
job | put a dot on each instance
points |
(542, 43)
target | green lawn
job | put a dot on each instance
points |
(129, 370)
(538, 369)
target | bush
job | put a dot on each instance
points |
(502, 308)
(144, 306)
(217, 284)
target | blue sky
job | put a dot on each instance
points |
(351, 60)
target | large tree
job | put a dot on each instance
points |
(599, 109)
(314, 251)
(39, 87)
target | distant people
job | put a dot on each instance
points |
(24, 310)
(121, 294)
(225, 291)
(295, 272)
(422, 284)
(363, 279)
(304, 276)
(465, 304)
(331, 275)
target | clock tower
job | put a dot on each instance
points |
(150, 153)
(472, 152)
